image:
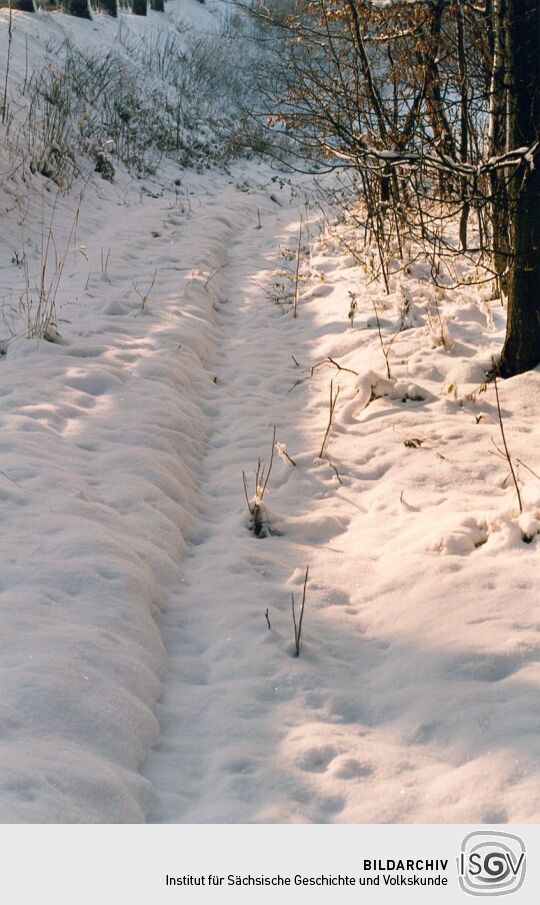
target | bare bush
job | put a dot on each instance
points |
(182, 103)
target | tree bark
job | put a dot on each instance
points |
(428, 58)
(24, 6)
(157, 5)
(464, 123)
(110, 7)
(498, 143)
(521, 350)
(139, 7)
(79, 8)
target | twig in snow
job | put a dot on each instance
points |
(104, 263)
(297, 271)
(215, 273)
(13, 481)
(333, 400)
(326, 361)
(340, 367)
(503, 436)
(283, 452)
(334, 469)
(144, 298)
(10, 41)
(520, 462)
(298, 626)
(385, 349)
(267, 618)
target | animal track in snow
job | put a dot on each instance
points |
(319, 528)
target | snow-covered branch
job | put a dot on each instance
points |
(365, 154)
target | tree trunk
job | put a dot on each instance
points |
(464, 124)
(24, 6)
(428, 57)
(139, 7)
(110, 7)
(80, 8)
(498, 144)
(521, 350)
(158, 6)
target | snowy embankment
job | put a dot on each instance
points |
(102, 435)
(129, 570)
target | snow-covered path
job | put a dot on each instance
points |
(139, 678)
(391, 713)
(241, 717)
(414, 698)
(230, 679)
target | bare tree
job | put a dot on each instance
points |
(522, 346)
(432, 106)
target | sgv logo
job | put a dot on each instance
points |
(491, 864)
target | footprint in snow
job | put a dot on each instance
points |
(424, 734)
(321, 291)
(238, 765)
(463, 538)
(353, 769)
(319, 528)
(486, 669)
(317, 760)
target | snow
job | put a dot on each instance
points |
(102, 434)
(140, 678)
(412, 698)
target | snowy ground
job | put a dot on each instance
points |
(140, 680)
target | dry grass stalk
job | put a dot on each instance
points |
(332, 406)
(298, 625)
